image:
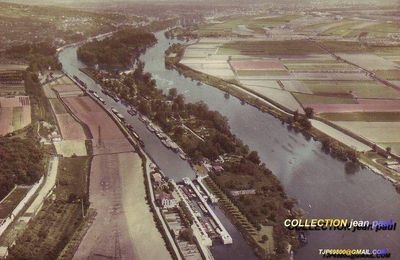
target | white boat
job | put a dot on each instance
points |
(120, 117)
(114, 110)
(165, 143)
(150, 127)
(183, 157)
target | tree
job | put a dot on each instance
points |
(172, 93)
(295, 115)
(253, 157)
(305, 123)
(309, 112)
(187, 235)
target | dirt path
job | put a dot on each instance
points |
(147, 241)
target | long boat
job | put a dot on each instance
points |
(83, 84)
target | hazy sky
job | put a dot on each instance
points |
(322, 2)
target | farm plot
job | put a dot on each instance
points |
(380, 105)
(396, 83)
(282, 97)
(307, 99)
(48, 91)
(344, 28)
(15, 90)
(378, 132)
(6, 67)
(261, 83)
(10, 202)
(216, 68)
(265, 64)
(107, 137)
(70, 128)
(6, 115)
(340, 136)
(365, 117)
(68, 148)
(329, 76)
(68, 90)
(269, 73)
(295, 86)
(220, 73)
(57, 106)
(388, 74)
(198, 53)
(344, 46)
(382, 29)
(64, 86)
(251, 23)
(322, 67)
(265, 77)
(274, 48)
(309, 58)
(369, 61)
(361, 89)
(15, 113)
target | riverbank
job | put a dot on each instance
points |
(338, 147)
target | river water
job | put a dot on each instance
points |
(318, 181)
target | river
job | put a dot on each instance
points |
(318, 181)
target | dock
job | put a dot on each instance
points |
(223, 233)
(211, 196)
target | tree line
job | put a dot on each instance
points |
(21, 163)
(118, 51)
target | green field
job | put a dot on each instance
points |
(17, 118)
(58, 107)
(342, 29)
(305, 99)
(344, 46)
(360, 116)
(383, 28)
(362, 89)
(287, 48)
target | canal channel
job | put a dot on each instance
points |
(168, 161)
(318, 181)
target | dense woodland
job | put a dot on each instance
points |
(21, 162)
(118, 51)
(39, 56)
